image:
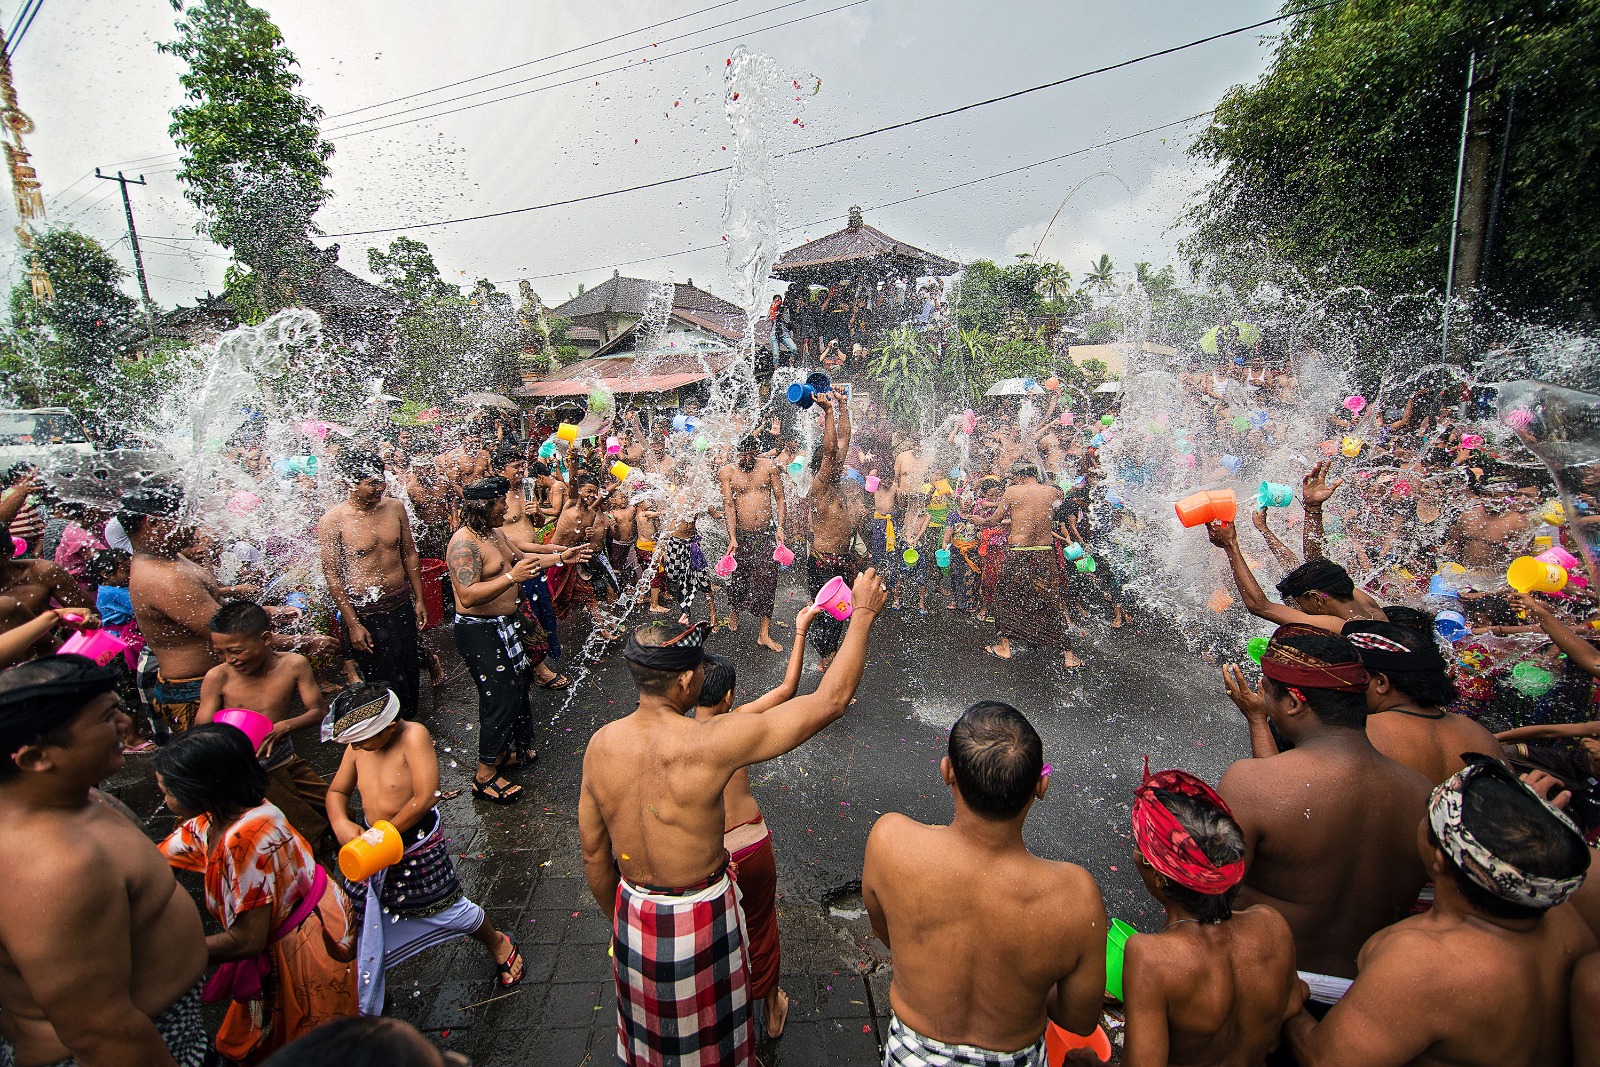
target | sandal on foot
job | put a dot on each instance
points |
(495, 793)
(555, 681)
(512, 970)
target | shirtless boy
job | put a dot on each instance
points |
(1214, 987)
(745, 833)
(391, 763)
(75, 860)
(651, 820)
(833, 521)
(752, 501)
(990, 941)
(36, 583)
(375, 578)
(256, 678)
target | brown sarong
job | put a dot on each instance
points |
(755, 868)
(1027, 597)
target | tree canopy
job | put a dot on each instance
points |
(1338, 166)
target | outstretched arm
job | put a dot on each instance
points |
(830, 467)
(1315, 492)
(1280, 551)
(1226, 537)
(791, 677)
(1566, 638)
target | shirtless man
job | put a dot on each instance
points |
(910, 469)
(435, 499)
(1407, 694)
(1329, 824)
(833, 521)
(1317, 593)
(374, 575)
(1486, 537)
(990, 941)
(1482, 978)
(78, 865)
(581, 523)
(468, 461)
(651, 814)
(752, 501)
(1026, 595)
(38, 584)
(1214, 987)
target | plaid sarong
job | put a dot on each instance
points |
(683, 976)
(182, 1028)
(907, 1048)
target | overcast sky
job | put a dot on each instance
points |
(89, 74)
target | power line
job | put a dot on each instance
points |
(16, 23)
(849, 137)
(16, 42)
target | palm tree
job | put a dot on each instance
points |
(1054, 281)
(1102, 276)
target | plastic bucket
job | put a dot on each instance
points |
(1085, 565)
(1059, 1042)
(1451, 625)
(726, 565)
(911, 556)
(1355, 404)
(1531, 680)
(1232, 463)
(370, 853)
(547, 450)
(684, 424)
(613, 447)
(98, 645)
(567, 432)
(872, 483)
(1072, 551)
(1256, 647)
(819, 382)
(1350, 447)
(433, 591)
(1529, 575)
(1107, 420)
(835, 598)
(1555, 513)
(1439, 585)
(1559, 556)
(801, 395)
(782, 556)
(253, 724)
(621, 471)
(797, 468)
(1210, 505)
(1275, 495)
(1471, 440)
(942, 558)
(1116, 942)
(19, 547)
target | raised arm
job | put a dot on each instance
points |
(1315, 492)
(1226, 537)
(1566, 638)
(1280, 551)
(829, 469)
(791, 676)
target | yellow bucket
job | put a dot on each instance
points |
(568, 432)
(620, 471)
(1529, 575)
(370, 853)
(1351, 447)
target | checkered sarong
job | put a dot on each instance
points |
(907, 1048)
(683, 976)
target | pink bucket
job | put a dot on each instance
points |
(255, 725)
(873, 483)
(1471, 440)
(1559, 556)
(96, 644)
(782, 555)
(726, 565)
(19, 547)
(835, 599)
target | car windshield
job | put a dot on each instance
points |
(40, 428)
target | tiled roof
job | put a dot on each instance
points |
(633, 296)
(859, 243)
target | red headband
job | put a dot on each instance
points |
(1290, 666)
(1167, 845)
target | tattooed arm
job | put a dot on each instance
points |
(465, 562)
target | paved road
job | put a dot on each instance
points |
(1137, 694)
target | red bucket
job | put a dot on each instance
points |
(433, 591)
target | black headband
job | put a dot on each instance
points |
(66, 684)
(491, 488)
(682, 653)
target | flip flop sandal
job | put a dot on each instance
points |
(512, 970)
(509, 793)
(556, 681)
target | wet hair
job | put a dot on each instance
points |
(652, 680)
(1222, 841)
(749, 443)
(211, 769)
(475, 516)
(1411, 618)
(997, 758)
(1332, 708)
(103, 564)
(721, 676)
(359, 464)
(1515, 827)
(538, 468)
(504, 455)
(244, 617)
(1025, 470)
(1318, 576)
(358, 1041)
(587, 479)
(1430, 688)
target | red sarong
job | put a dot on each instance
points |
(755, 868)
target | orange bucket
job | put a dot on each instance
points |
(1221, 600)
(1059, 1042)
(1215, 505)
(370, 853)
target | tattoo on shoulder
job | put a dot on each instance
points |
(465, 562)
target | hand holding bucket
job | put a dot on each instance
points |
(1072, 551)
(1529, 575)
(1350, 447)
(942, 558)
(1275, 495)
(782, 556)
(370, 853)
(801, 395)
(726, 565)
(567, 432)
(103, 647)
(1355, 404)
(621, 471)
(911, 556)
(1208, 505)
(254, 725)
(872, 483)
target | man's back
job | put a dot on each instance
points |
(173, 601)
(1428, 745)
(1333, 828)
(1031, 504)
(980, 937)
(1224, 990)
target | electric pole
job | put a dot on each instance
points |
(133, 239)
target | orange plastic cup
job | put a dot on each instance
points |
(1215, 505)
(370, 853)
(1059, 1042)
(1224, 505)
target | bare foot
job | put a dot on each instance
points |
(1069, 661)
(657, 609)
(767, 642)
(435, 669)
(777, 1003)
(683, 620)
(733, 624)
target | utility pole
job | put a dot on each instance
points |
(1455, 212)
(133, 238)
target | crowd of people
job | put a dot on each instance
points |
(1384, 879)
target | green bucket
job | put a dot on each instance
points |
(1116, 941)
(1256, 647)
(1531, 680)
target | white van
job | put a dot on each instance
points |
(34, 435)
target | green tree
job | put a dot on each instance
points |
(985, 294)
(1055, 283)
(1338, 166)
(408, 268)
(254, 161)
(1101, 276)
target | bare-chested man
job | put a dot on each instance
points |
(434, 499)
(100, 949)
(752, 501)
(1027, 603)
(468, 461)
(833, 521)
(374, 575)
(1214, 987)
(989, 940)
(581, 523)
(1317, 593)
(525, 529)
(38, 584)
(1407, 694)
(1486, 537)
(1329, 824)
(651, 817)
(910, 469)
(1482, 979)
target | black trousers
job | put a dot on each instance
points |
(396, 653)
(500, 669)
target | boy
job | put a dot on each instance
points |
(745, 834)
(256, 677)
(392, 763)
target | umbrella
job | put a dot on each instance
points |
(487, 400)
(1014, 387)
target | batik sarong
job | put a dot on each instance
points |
(683, 976)
(827, 632)
(177, 701)
(755, 868)
(1027, 597)
(492, 647)
(409, 908)
(907, 1048)
(391, 620)
(182, 1028)
(754, 587)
